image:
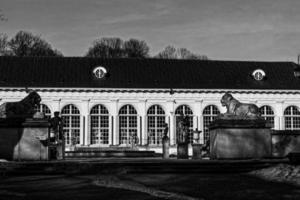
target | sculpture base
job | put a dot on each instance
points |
(197, 151)
(57, 151)
(182, 151)
(240, 139)
(22, 139)
(165, 146)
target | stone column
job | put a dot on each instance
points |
(114, 109)
(142, 128)
(110, 131)
(170, 112)
(279, 122)
(86, 125)
(198, 113)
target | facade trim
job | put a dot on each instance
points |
(171, 91)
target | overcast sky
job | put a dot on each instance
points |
(220, 29)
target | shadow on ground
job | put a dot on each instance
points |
(195, 186)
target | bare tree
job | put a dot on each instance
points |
(170, 52)
(107, 48)
(4, 45)
(134, 48)
(27, 44)
(116, 48)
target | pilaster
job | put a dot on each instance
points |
(170, 112)
(199, 115)
(142, 118)
(279, 119)
(86, 137)
(114, 129)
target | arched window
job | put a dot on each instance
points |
(71, 118)
(186, 110)
(209, 114)
(99, 125)
(268, 114)
(156, 124)
(44, 109)
(292, 118)
(127, 124)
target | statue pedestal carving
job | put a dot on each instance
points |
(165, 146)
(240, 139)
(197, 151)
(24, 139)
(182, 151)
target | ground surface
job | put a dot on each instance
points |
(278, 182)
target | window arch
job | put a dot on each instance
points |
(99, 124)
(156, 124)
(292, 118)
(44, 109)
(268, 114)
(209, 114)
(127, 124)
(71, 127)
(186, 110)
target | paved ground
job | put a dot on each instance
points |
(145, 187)
(213, 180)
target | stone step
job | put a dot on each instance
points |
(110, 148)
(109, 153)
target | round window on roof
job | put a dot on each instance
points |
(258, 74)
(99, 72)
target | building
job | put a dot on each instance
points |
(106, 101)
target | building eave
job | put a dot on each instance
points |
(150, 90)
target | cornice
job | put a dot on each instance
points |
(137, 90)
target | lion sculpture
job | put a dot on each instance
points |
(22, 109)
(236, 109)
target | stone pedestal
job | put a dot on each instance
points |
(197, 151)
(61, 150)
(182, 151)
(165, 146)
(57, 150)
(24, 139)
(240, 139)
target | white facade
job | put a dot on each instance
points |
(142, 99)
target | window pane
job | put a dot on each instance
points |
(292, 118)
(127, 124)
(71, 119)
(209, 114)
(99, 124)
(156, 124)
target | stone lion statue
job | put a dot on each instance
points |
(238, 109)
(23, 108)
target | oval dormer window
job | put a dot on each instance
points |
(99, 72)
(258, 74)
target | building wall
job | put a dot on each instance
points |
(142, 101)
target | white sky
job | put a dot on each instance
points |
(220, 29)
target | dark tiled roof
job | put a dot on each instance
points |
(76, 72)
